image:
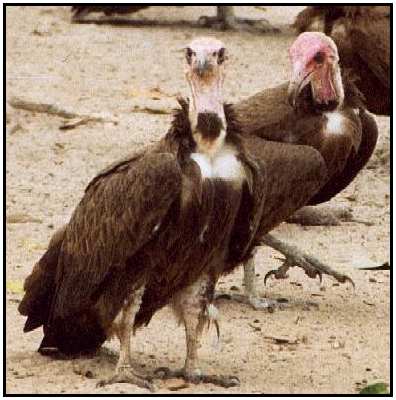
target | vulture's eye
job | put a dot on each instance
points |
(189, 54)
(319, 57)
(221, 57)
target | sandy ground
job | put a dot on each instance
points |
(335, 347)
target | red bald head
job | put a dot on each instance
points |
(314, 59)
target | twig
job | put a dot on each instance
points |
(150, 110)
(54, 109)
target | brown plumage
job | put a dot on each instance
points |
(160, 228)
(320, 108)
(270, 116)
(362, 35)
(97, 254)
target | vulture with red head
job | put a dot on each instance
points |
(160, 227)
(362, 35)
(320, 107)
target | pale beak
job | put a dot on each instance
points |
(202, 66)
(300, 78)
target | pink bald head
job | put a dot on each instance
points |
(311, 45)
(314, 59)
(205, 72)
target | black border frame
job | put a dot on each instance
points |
(4, 394)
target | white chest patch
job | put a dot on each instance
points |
(223, 165)
(335, 123)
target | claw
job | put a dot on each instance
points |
(223, 381)
(278, 275)
(346, 278)
(314, 274)
(219, 380)
(268, 274)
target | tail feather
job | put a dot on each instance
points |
(79, 334)
(40, 285)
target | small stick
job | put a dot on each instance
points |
(53, 109)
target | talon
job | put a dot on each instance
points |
(267, 275)
(346, 278)
(278, 275)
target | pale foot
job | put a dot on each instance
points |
(197, 377)
(126, 374)
(295, 257)
(258, 303)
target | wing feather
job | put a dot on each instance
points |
(371, 42)
(115, 218)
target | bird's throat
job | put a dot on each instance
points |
(207, 116)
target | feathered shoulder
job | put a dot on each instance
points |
(353, 96)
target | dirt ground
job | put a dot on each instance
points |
(338, 346)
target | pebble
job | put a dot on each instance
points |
(338, 345)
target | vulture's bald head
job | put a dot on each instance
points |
(205, 71)
(314, 59)
(205, 57)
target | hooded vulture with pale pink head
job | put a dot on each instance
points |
(362, 35)
(160, 227)
(320, 107)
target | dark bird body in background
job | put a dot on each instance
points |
(224, 20)
(298, 112)
(362, 35)
(162, 226)
(81, 11)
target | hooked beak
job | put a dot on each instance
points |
(202, 67)
(300, 79)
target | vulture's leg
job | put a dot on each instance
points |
(226, 20)
(324, 216)
(295, 257)
(250, 297)
(193, 309)
(123, 326)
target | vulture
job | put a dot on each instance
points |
(322, 107)
(224, 20)
(161, 226)
(362, 35)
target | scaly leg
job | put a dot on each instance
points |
(295, 257)
(123, 326)
(191, 306)
(226, 20)
(250, 297)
